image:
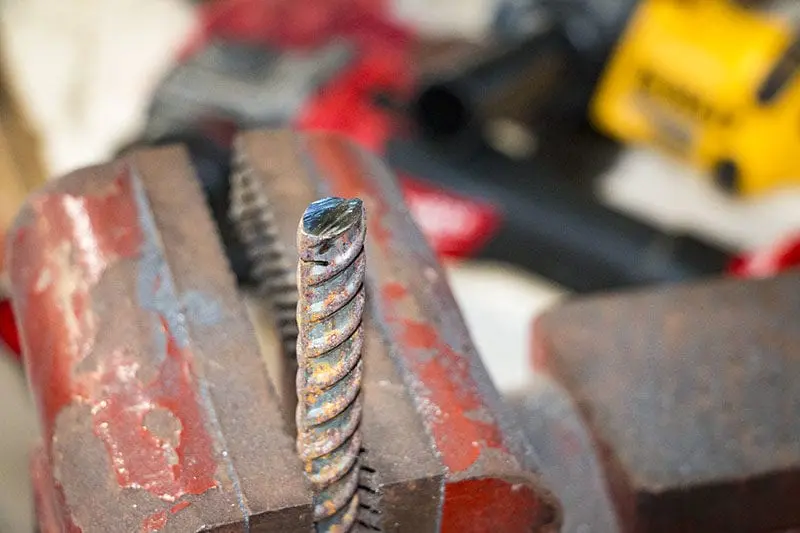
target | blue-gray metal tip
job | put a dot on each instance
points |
(331, 216)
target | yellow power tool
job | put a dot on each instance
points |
(712, 81)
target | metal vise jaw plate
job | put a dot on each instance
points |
(155, 409)
(690, 394)
(455, 414)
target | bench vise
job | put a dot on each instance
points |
(161, 409)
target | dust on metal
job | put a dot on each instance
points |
(330, 281)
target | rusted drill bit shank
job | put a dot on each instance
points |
(330, 276)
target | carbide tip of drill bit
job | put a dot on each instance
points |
(329, 217)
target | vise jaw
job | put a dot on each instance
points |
(160, 411)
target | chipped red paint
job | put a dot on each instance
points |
(393, 291)
(140, 458)
(179, 507)
(460, 439)
(512, 507)
(418, 335)
(58, 257)
(157, 521)
(8, 330)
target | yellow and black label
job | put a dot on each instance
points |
(711, 81)
(679, 98)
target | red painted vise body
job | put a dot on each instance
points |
(114, 329)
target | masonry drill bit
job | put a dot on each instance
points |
(330, 280)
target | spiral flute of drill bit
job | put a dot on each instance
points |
(330, 279)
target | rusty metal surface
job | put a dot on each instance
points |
(691, 395)
(489, 483)
(330, 312)
(155, 408)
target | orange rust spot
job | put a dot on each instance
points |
(490, 505)
(393, 291)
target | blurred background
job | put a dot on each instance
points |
(547, 148)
